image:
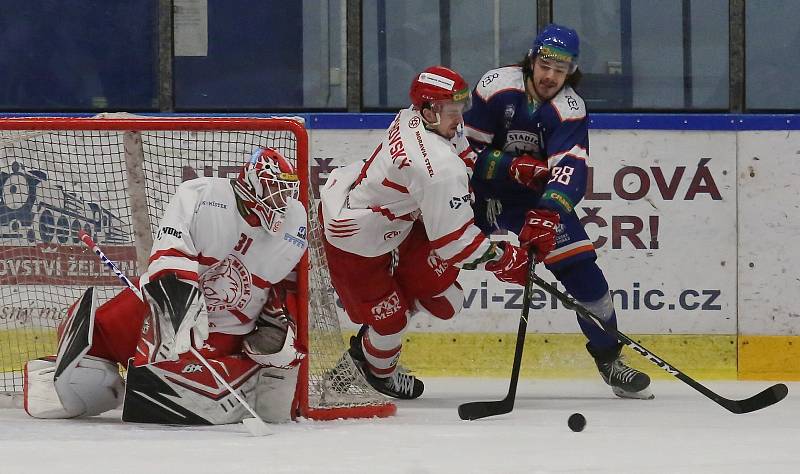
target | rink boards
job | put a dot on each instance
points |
(694, 231)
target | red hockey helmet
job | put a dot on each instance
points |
(438, 84)
(265, 185)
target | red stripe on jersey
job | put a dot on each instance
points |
(468, 250)
(181, 274)
(395, 186)
(363, 173)
(207, 261)
(388, 214)
(455, 235)
(260, 282)
(336, 225)
(239, 315)
(171, 253)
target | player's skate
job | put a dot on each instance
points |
(399, 385)
(625, 381)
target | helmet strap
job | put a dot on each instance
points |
(428, 124)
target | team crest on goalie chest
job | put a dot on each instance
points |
(227, 285)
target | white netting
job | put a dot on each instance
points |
(55, 183)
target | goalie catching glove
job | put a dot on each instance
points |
(274, 342)
(177, 313)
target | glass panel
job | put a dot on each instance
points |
(648, 55)
(772, 35)
(400, 39)
(266, 55)
(59, 56)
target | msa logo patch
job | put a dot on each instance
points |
(301, 232)
(387, 307)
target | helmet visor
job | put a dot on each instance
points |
(557, 58)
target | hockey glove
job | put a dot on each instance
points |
(177, 310)
(539, 232)
(512, 267)
(529, 171)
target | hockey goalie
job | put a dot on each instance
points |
(220, 278)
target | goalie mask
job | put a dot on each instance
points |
(265, 185)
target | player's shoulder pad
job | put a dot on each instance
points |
(499, 80)
(569, 105)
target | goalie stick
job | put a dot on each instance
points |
(255, 425)
(763, 399)
(476, 410)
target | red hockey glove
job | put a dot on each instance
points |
(539, 232)
(512, 266)
(529, 171)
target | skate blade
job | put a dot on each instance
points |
(644, 394)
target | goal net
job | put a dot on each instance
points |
(112, 178)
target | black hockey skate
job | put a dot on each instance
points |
(400, 385)
(625, 382)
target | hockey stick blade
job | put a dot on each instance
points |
(765, 398)
(476, 410)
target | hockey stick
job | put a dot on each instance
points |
(255, 425)
(765, 398)
(476, 410)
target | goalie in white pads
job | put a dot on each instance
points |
(220, 278)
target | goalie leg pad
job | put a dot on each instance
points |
(183, 392)
(274, 393)
(90, 387)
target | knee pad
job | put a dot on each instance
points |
(446, 304)
(91, 387)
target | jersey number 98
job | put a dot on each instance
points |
(561, 174)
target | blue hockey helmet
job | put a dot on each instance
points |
(559, 43)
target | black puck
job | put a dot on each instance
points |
(576, 422)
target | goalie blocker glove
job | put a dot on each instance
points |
(177, 311)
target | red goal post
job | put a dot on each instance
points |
(112, 176)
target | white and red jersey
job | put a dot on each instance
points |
(369, 206)
(204, 238)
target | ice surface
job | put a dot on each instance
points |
(680, 431)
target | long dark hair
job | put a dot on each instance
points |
(527, 71)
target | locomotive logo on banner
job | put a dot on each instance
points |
(39, 225)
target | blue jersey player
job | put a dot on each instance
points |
(530, 130)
